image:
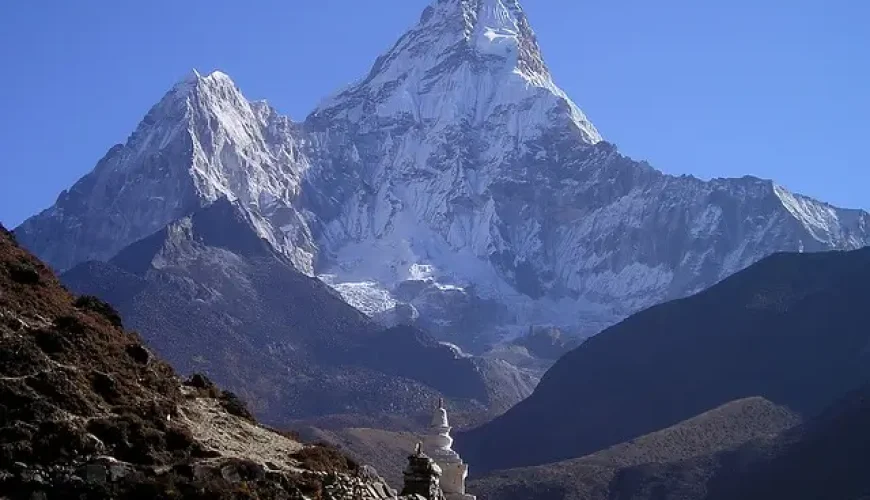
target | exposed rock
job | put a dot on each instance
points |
(422, 477)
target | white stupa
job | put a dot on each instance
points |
(438, 445)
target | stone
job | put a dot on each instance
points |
(422, 477)
(93, 473)
(119, 471)
(381, 490)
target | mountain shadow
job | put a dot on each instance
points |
(791, 329)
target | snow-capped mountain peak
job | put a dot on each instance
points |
(499, 28)
(465, 61)
(202, 141)
(455, 184)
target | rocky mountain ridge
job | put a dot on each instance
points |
(455, 174)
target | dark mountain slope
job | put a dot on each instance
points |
(825, 458)
(210, 295)
(87, 412)
(592, 477)
(791, 329)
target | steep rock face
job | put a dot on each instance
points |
(441, 123)
(791, 329)
(456, 181)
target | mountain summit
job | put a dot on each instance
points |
(455, 185)
(464, 62)
(202, 141)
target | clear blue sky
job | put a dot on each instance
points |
(772, 88)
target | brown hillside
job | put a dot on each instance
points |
(86, 411)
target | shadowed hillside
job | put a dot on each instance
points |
(791, 329)
(593, 477)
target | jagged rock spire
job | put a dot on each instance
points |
(489, 28)
(464, 60)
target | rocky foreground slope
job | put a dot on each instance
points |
(86, 411)
(455, 180)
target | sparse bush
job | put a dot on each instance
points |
(23, 272)
(205, 388)
(324, 457)
(70, 324)
(104, 385)
(50, 342)
(138, 353)
(235, 406)
(179, 438)
(62, 441)
(132, 439)
(199, 381)
(104, 309)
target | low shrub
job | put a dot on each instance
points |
(104, 309)
(70, 324)
(235, 406)
(205, 388)
(138, 353)
(23, 272)
(323, 457)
